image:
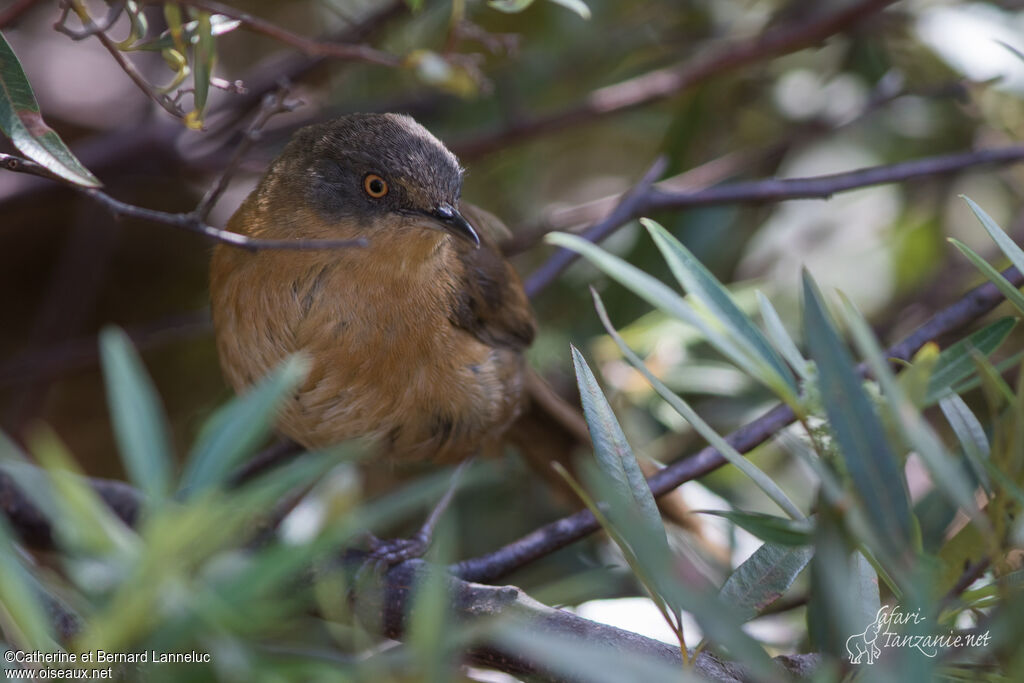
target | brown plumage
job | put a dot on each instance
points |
(415, 341)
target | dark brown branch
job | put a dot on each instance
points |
(629, 208)
(551, 537)
(185, 221)
(310, 46)
(663, 83)
(389, 603)
(473, 603)
(646, 198)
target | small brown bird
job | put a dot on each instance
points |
(416, 340)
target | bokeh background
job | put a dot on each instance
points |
(921, 78)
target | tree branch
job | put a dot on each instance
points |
(551, 537)
(310, 46)
(272, 104)
(185, 221)
(473, 604)
(647, 197)
(663, 83)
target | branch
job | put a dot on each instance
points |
(390, 602)
(670, 81)
(310, 46)
(646, 198)
(185, 221)
(272, 104)
(558, 534)
(474, 604)
(91, 28)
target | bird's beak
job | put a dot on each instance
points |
(455, 223)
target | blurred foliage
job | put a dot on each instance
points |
(923, 78)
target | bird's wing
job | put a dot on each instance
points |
(490, 301)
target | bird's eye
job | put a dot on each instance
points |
(375, 186)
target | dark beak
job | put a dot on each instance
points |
(454, 223)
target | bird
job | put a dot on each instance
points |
(416, 340)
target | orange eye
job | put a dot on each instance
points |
(375, 186)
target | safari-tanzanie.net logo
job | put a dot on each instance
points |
(866, 647)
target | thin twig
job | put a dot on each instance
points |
(310, 46)
(562, 532)
(273, 104)
(629, 208)
(184, 221)
(113, 14)
(90, 28)
(671, 81)
(646, 198)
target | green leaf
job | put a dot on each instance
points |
(26, 623)
(1002, 240)
(21, 121)
(82, 521)
(138, 25)
(764, 577)
(658, 295)
(202, 71)
(762, 480)
(917, 433)
(698, 281)
(613, 453)
(139, 423)
(955, 364)
(876, 472)
(238, 428)
(1011, 293)
(190, 32)
(769, 528)
(509, 6)
(577, 6)
(780, 337)
(970, 434)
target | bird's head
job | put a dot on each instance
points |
(368, 173)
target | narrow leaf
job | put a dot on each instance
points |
(21, 121)
(658, 295)
(1011, 293)
(26, 623)
(780, 337)
(762, 480)
(764, 577)
(577, 6)
(954, 363)
(202, 72)
(139, 423)
(239, 427)
(1002, 240)
(875, 470)
(945, 471)
(509, 6)
(970, 434)
(613, 453)
(769, 528)
(698, 280)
